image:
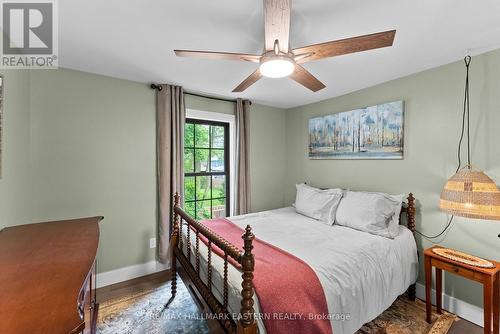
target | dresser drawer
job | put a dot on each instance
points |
(461, 271)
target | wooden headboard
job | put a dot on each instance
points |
(409, 209)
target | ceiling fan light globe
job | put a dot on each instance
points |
(277, 67)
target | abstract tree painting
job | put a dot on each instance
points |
(375, 132)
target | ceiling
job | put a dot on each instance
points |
(134, 40)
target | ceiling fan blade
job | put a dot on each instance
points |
(248, 81)
(277, 24)
(306, 79)
(345, 46)
(217, 55)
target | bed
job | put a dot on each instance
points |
(361, 274)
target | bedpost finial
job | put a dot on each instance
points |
(248, 229)
(248, 237)
(176, 198)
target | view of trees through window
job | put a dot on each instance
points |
(206, 169)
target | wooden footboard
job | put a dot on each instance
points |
(245, 322)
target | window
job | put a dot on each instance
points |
(206, 169)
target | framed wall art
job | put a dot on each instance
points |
(375, 132)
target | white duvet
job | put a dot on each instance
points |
(361, 274)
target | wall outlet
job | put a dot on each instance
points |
(152, 243)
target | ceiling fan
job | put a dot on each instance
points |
(279, 60)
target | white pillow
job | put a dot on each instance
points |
(394, 222)
(376, 213)
(317, 203)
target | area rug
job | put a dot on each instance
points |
(145, 312)
(406, 317)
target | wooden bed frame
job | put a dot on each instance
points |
(202, 293)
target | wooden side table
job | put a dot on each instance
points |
(489, 277)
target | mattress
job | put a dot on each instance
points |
(361, 274)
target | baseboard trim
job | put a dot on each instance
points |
(128, 273)
(463, 309)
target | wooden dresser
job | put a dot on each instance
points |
(47, 277)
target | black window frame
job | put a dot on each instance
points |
(226, 171)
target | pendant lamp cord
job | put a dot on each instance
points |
(465, 116)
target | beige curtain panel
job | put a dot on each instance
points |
(170, 118)
(242, 177)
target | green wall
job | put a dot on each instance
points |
(207, 104)
(79, 144)
(15, 179)
(93, 153)
(267, 157)
(433, 101)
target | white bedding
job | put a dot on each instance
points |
(361, 274)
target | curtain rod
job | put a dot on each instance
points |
(154, 86)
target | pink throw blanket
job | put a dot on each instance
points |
(290, 294)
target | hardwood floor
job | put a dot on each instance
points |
(154, 280)
(464, 326)
(134, 285)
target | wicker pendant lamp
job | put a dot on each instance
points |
(470, 192)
